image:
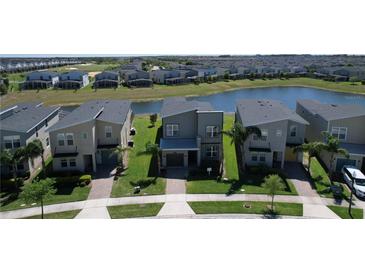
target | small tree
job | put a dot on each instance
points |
(353, 79)
(154, 150)
(13, 158)
(119, 151)
(273, 183)
(35, 149)
(313, 149)
(38, 191)
(239, 134)
(153, 119)
(332, 146)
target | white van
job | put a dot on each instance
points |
(355, 179)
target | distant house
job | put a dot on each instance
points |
(73, 80)
(191, 133)
(137, 78)
(41, 80)
(21, 124)
(281, 129)
(84, 139)
(107, 79)
(160, 76)
(206, 72)
(346, 122)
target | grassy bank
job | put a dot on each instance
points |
(357, 213)
(68, 97)
(289, 209)
(134, 211)
(141, 168)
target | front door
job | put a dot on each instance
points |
(88, 163)
(175, 159)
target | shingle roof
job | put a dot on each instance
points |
(112, 111)
(25, 116)
(178, 143)
(256, 112)
(332, 111)
(177, 105)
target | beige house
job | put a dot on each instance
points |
(281, 130)
(346, 122)
(85, 139)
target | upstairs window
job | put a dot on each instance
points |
(47, 142)
(212, 151)
(339, 132)
(70, 139)
(212, 131)
(279, 133)
(63, 163)
(11, 142)
(108, 131)
(72, 162)
(61, 139)
(293, 131)
(172, 130)
(264, 135)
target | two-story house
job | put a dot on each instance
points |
(281, 129)
(191, 133)
(41, 80)
(85, 138)
(107, 79)
(160, 76)
(73, 80)
(137, 78)
(346, 122)
(20, 125)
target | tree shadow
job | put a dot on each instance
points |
(143, 183)
(271, 214)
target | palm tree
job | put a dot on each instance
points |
(154, 150)
(13, 158)
(313, 149)
(239, 134)
(332, 146)
(119, 151)
(273, 183)
(34, 150)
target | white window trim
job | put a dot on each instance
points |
(171, 128)
(279, 133)
(211, 131)
(264, 135)
(211, 150)
(291, 130)
(338, 132)
(64, 160)
(73, 139)
(108, 129)
(61, 137)
(12, 140)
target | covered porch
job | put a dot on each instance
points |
(180, 152)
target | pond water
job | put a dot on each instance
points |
(288, 95)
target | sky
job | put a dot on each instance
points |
(182, 27)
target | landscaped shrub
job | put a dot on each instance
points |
(67, 181)
(85, 179)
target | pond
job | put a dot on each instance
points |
(288, 95)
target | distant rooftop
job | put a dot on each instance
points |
(112, 111)
(332, 111)
(177, 105)
(25, 116)
(256, 112)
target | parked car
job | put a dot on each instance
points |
(355, 179)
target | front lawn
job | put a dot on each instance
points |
(247, 183)
(58, 215)
(64, 193)
(322, 182)
(343, 212)
(142, 169)
(134, 211)
(247, 207)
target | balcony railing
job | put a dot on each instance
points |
(67, 151)
(108, 142)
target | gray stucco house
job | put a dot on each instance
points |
(137, 78)
(346, 122)
(281, 129)
(191, 133)
(75, 79)
(23, 123)
(85, 138)
(41, 80)
(107, 79)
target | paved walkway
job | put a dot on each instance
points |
(101, 188)
(175, 181)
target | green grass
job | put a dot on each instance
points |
(342, 212)
(58, 215)
(134, 211)
(251, 183)
(141, 168)
(322, 182)
(289, 209)
(69, 97)
(63, 195)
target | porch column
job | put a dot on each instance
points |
(198, 158)
(163, 164)
(186, 159)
